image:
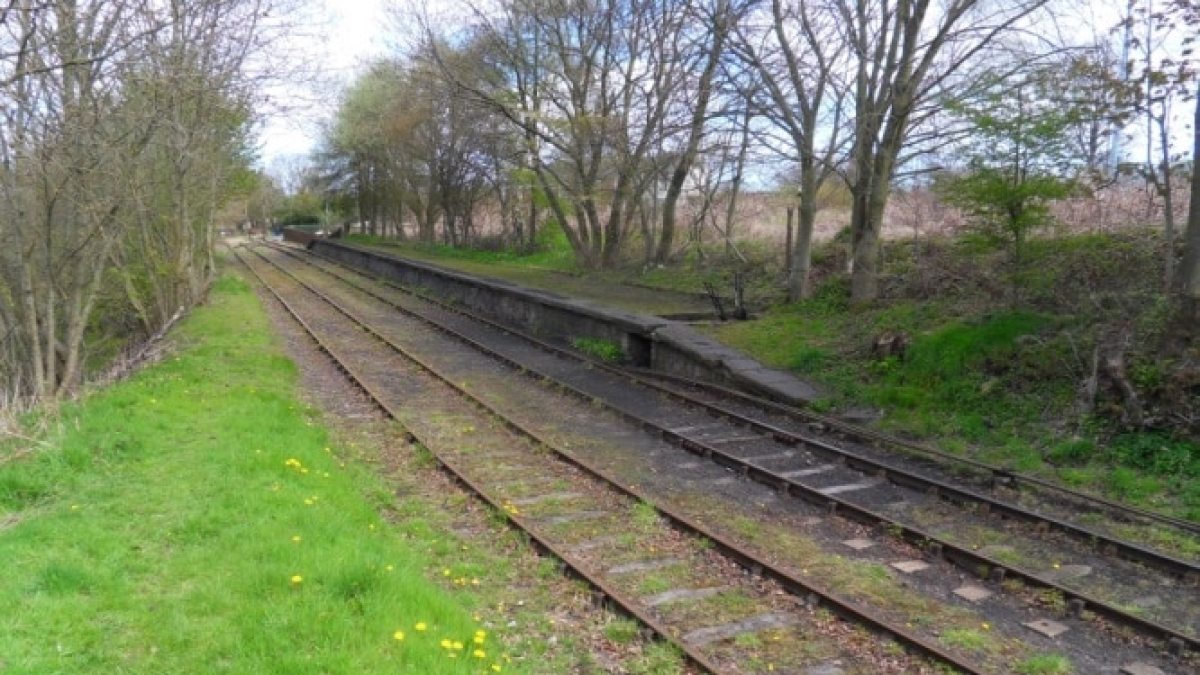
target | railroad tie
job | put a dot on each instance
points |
(754, 624)
(553, 496)
(812, 471)
(571, 517)
(683, 595)
(644, 566)
(849, 487)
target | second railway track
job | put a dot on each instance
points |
(712, 438)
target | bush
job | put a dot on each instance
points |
(605, 350)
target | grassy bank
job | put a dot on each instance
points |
(196, 519)
(998, 381)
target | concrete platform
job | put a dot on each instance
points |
(648, 341)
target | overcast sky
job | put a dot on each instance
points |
(349, 33)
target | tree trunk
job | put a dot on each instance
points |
(1188, 302)
(683, 167)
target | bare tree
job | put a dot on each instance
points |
(801, 61)
(905, 54)
(146, 86)
(592, 86)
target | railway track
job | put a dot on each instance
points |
(1066, 601)
(1075, 601)
(560, 491)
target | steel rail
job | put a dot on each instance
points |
(813, 593)
(1175, 641)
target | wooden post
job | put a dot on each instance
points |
(787, 255)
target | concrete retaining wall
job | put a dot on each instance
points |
(294, 235)
(648, 341)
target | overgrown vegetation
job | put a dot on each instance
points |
(125, 131)
(937, 361)
(605, 350)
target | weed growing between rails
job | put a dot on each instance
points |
(194, 518)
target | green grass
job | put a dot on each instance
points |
(552, 252)
(605, 350)
(1046, 664)
(156, 533)
(969, 639)
(994, 385)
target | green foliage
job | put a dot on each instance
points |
(605, 350)
(303, 208)
(1074, 451)
(1005, 207)
(1046, 664)
(940, 358)
(1014, 170)
(167, 507)
(1158, 454)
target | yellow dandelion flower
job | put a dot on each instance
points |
(389, 568)
(496, 667)
(478, 640)
(296, 579)
(458, 645)
(446, 572)
(479, 654)
(296, 538)
(446, 644)
(420, 626)
(398, 635)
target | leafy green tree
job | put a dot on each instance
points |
(1016, 167)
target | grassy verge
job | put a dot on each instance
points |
(195, 519)
(997, 383)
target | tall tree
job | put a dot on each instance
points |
(155, 88)
(906, 54)
(1187, 292)
(801, 60)
(592, 85)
